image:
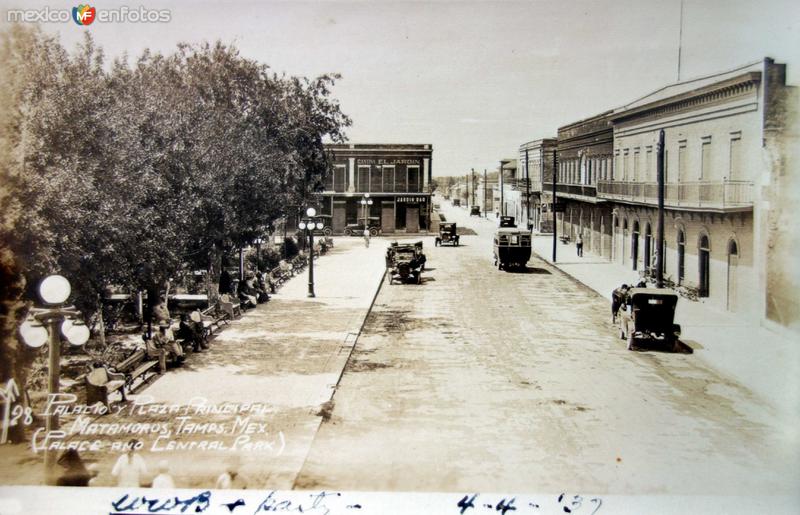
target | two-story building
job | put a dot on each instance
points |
(396, 177)
(584, 158)
(716, 160)
(535, 175)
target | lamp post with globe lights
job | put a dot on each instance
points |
(365, 203)
(47, 325)
(309, 225)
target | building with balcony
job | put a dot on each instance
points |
(396, 177)
(585, 150)
(718, 133)
(536, 176)
(509, 200)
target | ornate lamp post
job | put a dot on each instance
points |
(257, 242)
(47, 325)
(365, 203)
(309, 225)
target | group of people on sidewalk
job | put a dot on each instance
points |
(130, 470)
(255, 289)
(169, 344)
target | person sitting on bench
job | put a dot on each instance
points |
(189, 332)
(163, 342)
(246, 295)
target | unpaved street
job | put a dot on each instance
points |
(482, 380)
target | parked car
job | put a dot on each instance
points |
(648, 314)
(512, 248)
(475, 211)
(328, 229)
(448, 234)
(357, 229)
(405, 262)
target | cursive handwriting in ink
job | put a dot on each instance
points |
(127, 503)
(273, 503)
(233, 505)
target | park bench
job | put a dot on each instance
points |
(138, 365)
(213, 319)
(232, 309)
(564, 239)
(100, 383)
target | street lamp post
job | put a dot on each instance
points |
(309, 224)
(46, 325)
(257, 242)
(365, 203)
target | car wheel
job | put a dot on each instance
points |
(348, 232)
(373, 232)
(327, 231)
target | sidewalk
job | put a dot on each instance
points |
(286, 356)
(762, 360)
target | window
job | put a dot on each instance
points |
(362, 183)
(625, 167)
(682, 171)
(615, 171)
(388, 178)
(340, 178)
(636, 165)
(705, 159)
(735, 167)
(376, 179)
(413, 179)
(666, 166)
(650, 173)
(400, 179)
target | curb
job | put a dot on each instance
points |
(356, 335)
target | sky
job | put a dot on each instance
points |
(474, 79)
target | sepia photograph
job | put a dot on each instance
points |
(388, 257)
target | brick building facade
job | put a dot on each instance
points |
(396, 177)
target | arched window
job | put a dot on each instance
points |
(733, 248)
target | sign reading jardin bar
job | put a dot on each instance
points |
(412, 200)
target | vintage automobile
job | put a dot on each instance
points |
(648, 315)
(512, 248)
(357, 229)
(405, 262)
(507, 221)
(475, 211)
(447, 234)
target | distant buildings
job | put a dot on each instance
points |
(725, 150)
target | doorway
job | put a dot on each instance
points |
(704, 256)
(635, 245)
(733, 263)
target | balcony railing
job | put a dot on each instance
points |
(575, 190)
(701, 194)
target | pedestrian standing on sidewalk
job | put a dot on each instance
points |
(130, 467)
(579, 245)
(366, 237)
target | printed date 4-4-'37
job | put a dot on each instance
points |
(563, 503)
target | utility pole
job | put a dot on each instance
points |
(527, 193)
(660, 228)
(555, 225)
(502, 200)
(485, 187)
